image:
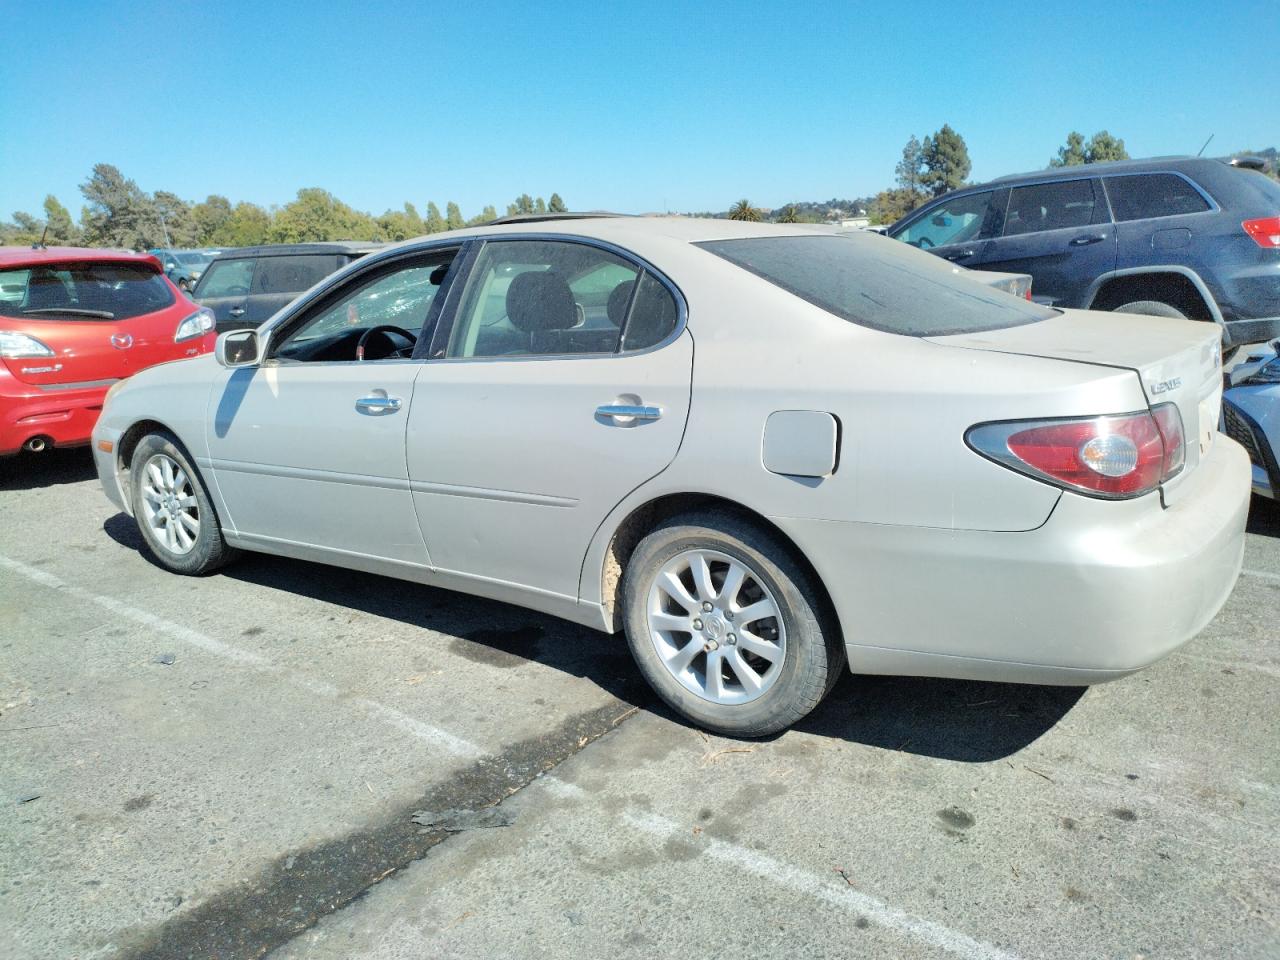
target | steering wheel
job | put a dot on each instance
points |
(382, 328)
(925, 242)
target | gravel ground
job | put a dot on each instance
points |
(293, 759)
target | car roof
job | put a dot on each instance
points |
(38, 255)
(1145, 165)
(294, 249)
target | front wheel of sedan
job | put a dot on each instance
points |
(173, 510)
(727, 627)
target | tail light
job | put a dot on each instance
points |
(16, 345)
(1116, 457)
(1265, 231)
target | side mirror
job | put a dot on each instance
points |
(170, 265)
(239, 348)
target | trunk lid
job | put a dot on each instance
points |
(83, 353)
(1177, 361)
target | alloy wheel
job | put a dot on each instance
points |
(169, 504)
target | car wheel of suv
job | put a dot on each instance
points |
(172, 509)
(1152, 308)
(727, 627)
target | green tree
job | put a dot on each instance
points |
(210, 217)
(118, 213)
(788, 214)
(946, 161)
(892, 205)
(1072, 153)
(556, 205)
(743, 210)
(396, 225)
(246, 225)
(1100, 148)
(453, 216)
(484, 216)
(524, 204)
(62, 229)
(177, 222)
(317, 215)
(907, 172)
(539, 206)
(435, 222)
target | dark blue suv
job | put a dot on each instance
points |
(1180, 236)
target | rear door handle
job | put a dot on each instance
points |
(236, 311)
(627, 413)
(1091, 238)
(378, 403)
(961, 254)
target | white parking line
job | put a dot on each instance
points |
(821, 888)
(1261, 574)
(247, 658)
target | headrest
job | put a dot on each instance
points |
(540, 301)
(619, 299)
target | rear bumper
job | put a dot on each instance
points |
(63, 417)
(1100, 590)
(1251, 417)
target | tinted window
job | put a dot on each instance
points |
(543, 297)
(878, 284)
(84, 291)
(1051, 206)
(227, 278)
(952, 221)
(292, 274)
(1146, 195)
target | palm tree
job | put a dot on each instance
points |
(788, 214)
(743, 210)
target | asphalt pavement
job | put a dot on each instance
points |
(294, 760)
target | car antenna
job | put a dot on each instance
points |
(39, 244)
(1206, 143)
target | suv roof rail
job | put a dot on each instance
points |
(544, 217)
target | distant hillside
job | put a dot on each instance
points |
(808, 211)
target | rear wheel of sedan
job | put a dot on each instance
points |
(173, 510)
(727, 626)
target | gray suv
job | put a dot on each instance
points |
(245, 286)
(1179, 236)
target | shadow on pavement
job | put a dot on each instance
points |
(1264, 517)
(29, 471)
(948, 719)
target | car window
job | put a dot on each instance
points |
(1144, 195)
(543, 297)
(1051, 206)
(83, 291)
(227, 278)
(952, 221)
(292, 274)
(400, 297)
(867, 280)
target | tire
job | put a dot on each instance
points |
(162, 496)
(1151, 308)
(803, 653)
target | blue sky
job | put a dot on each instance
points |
(631, 107)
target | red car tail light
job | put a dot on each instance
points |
(1116, 456)
(1265, 231)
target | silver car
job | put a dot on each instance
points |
(766, 453)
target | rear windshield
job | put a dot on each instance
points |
(879, 283)
(82, 291)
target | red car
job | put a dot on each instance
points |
(73, 322)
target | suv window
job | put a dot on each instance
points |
(1144, 195)
(874, 283)
(1052, 206)
(292, 274)
(546, 297)
(227, 278)
(83, 291)
(952, 221)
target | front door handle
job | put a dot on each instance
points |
(1091, 238)
(622, 413)
(378, 403)
(961, 254)
(236, 311)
